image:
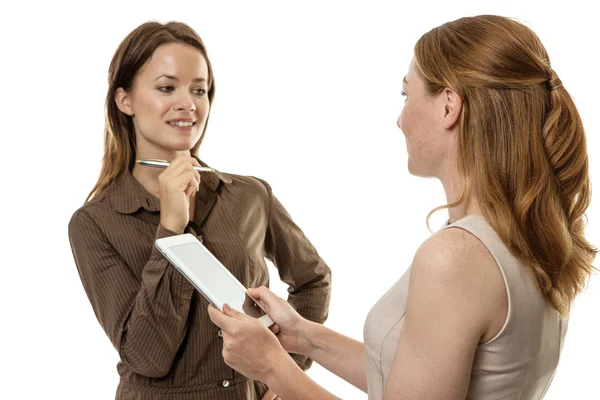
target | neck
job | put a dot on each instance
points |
(469, 205)
(147, 177)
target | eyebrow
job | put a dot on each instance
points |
(404, 80)
(175, 79)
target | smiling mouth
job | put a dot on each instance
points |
(182, 124)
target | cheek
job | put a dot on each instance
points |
(153, 107)
(202, 108)
(415, 126)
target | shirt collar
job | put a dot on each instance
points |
(128, 195)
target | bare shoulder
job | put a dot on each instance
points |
(455, 270)
(454, 253)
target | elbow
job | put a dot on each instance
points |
(147, 367)
(320, 282)
(156, 373)
(148, 362)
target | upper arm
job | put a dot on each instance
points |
(109, 284)
(286, 245)
(453, 286)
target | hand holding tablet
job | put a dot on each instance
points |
(215, 282)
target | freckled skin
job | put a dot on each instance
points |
(427, 145)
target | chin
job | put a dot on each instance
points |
(180, 145)
(412, 169)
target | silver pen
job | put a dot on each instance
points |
(165, 164)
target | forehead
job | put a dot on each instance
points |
(178, 60)
(412, 70)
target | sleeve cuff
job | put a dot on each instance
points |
(180, 281)
(161, 232)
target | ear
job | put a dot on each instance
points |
(452, 107)
(123, 101)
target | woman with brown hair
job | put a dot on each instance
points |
(161, 88)
(482, 311)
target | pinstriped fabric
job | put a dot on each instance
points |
(158, 323)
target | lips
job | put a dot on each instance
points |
(182, 123)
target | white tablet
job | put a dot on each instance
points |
(189, 256)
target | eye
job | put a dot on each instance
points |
(199, 92)
(166, 89)
(402, 93)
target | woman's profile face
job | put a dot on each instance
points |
(421, 121)
(168, 101)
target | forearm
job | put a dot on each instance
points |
(291, 383)
(337, 353)
(157, 323)
(144, 316)
(311, 301)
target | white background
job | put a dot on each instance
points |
(307, 98)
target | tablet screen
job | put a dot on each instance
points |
(205, 269)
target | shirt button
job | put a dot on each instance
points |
(225, 384)
(220, 333)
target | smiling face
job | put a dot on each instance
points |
(168, 102)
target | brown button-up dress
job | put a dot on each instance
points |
(168, 347)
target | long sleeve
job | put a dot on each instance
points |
(299, 265)
(144, 317)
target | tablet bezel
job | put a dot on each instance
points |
(164, 246)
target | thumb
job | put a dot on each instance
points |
(230, 312)
(266, 298)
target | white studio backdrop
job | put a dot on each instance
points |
(307, 98)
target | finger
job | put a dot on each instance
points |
(177, 162)
(193, 184)
(176, 168)
(182, 164)
(196, 174)
(275, 329)
(269, 395)
(218, 318)
(267, 298)
(230, 312)
(189, 168)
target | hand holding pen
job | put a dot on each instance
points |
(179, 181)
(165, 164)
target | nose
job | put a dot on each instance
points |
(399, 121)
(185, 102)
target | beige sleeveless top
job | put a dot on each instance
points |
(518, 363)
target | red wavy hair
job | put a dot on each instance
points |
(522, 145)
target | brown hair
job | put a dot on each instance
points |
(522, 146)
(133, 52)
